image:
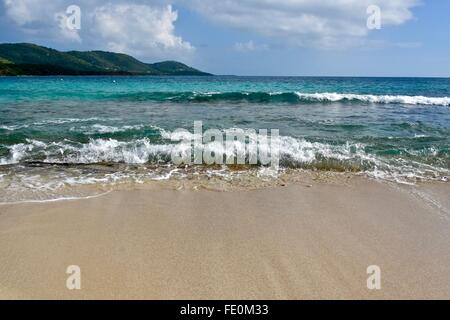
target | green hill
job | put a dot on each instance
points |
(31, 59)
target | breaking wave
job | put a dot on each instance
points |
(280, 97)
(294, 153)
(413, 100)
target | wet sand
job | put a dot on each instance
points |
(299, 241)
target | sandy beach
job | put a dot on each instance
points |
(298, 241)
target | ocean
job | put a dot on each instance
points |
(64, 137)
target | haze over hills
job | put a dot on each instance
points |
(30, 59)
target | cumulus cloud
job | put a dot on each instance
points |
(325, 23)
(138, 29)
(37, 17)
(142, 28)
(146, 28)
(23, 12)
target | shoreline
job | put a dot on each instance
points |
(53, 187)
(303, 240)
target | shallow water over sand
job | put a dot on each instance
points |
(62, 135)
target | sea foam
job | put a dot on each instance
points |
(399, 99)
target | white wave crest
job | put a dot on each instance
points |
(96, 150)
(13, 127)
(55, 122)
(99, 128)
(411, 100)
(72, 120)
(293, 152)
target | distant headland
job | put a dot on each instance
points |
(17, 59)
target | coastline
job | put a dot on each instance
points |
(310, 240)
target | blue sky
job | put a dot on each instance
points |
(249, 37)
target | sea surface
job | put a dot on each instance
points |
(60, 133)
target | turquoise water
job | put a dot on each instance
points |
(387, 128)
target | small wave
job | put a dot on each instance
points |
(55, 122)
(412, 100)
(294, 153)
(99, 128)
(72, 120)
(56, 199)
(281, 97)
(13, 127)
(199, 97)
(95, 151)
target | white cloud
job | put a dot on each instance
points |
(325, 23)
(146, 28)
(23, 11)
(142, 28)
(138, 29)
(36, 17)
(249, 46)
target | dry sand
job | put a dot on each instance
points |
(292, 242)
